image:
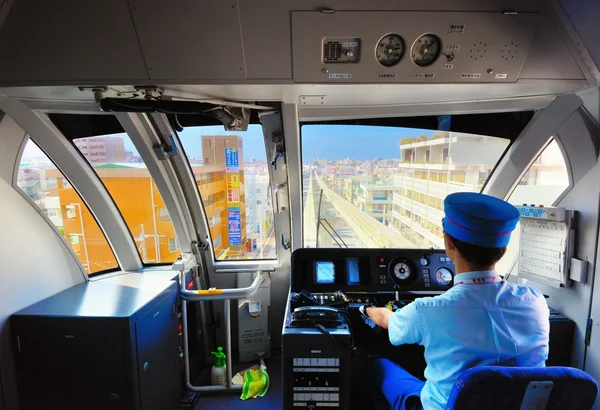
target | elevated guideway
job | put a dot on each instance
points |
(342, 224)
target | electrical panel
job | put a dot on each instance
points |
(545, 245)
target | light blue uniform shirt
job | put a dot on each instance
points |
(473, 325)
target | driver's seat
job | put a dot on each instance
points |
(523, 388)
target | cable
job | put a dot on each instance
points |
(343, 312)
(322, 329)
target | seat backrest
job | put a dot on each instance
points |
(523, 388)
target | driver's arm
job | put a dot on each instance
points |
(404, 325)
(380, 316)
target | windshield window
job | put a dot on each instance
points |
(121, 169)
(232, 175)
(384, 187)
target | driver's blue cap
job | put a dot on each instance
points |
(479, 219)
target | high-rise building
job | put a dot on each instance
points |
(102, 150)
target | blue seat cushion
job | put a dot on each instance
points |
(496, 387)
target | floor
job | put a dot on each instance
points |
(228, 401)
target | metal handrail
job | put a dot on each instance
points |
(226, 295)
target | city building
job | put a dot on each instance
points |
(375, 199)
(429, 170)
(352, 184)
(102, 150)
(259, 215)
(432, 168)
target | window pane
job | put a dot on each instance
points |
(384, 187)
(232, 176)
(121, 169)
(543, 184)
(39, 178)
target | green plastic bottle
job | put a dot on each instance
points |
(219, 369)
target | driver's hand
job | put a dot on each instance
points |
(365, 317)
(369, 322)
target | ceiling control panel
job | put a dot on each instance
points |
(410, 47)
(371, 270)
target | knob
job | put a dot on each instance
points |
(146, 366)
(350, 54)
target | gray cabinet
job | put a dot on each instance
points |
(108, 344)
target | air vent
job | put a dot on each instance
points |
(478, 50)
(509, 51)
(332, 51)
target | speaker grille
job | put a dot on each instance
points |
(332, 51)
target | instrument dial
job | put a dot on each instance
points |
(426, 50)
(402, 271)
(389, 50)
(443, 276)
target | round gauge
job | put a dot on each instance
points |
(424, 261)
(426, 50)
(389, 50)
(443, 276)
(402, 271)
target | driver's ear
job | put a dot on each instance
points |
(448, 244)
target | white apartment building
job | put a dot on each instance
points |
(102, 150)
(431, 169)
(375, 199)
(259, 209)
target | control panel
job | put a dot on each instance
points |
(363, 271)
(410, 47)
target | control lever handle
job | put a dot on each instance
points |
(396, 293)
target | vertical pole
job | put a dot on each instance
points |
(186, 352)
(85, 250)
(319, 216)
(227, 315)
(143, 237)
(156, 240)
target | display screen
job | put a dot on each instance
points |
(325, 272)
(352, 269)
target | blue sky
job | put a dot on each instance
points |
(332, 142)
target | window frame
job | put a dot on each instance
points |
(72, 140)
(395, 123)
(225, 262)
(565, 158)
(171, 174)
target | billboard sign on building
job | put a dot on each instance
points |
(235, 226)
(232, 181)
(231, 160)
(233, 189)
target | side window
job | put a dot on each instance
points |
(542, 184)
(39, 178)
(232, 176)
(124, 174)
